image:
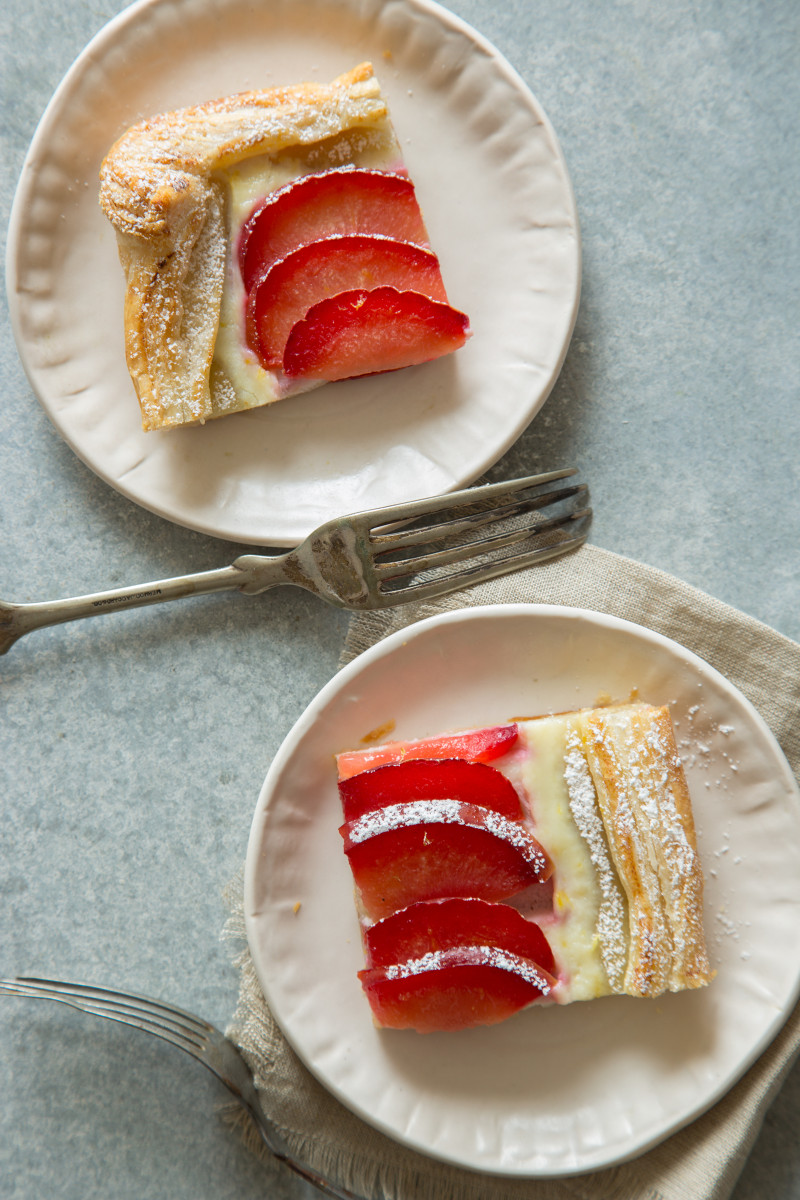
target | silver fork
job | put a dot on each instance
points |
(192, 1034)
(372, 559)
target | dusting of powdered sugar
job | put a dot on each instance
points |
(611, 920)
(712, 755)
(448, 812)
(473, 956)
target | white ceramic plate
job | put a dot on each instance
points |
(551, 1091)
(499, 208)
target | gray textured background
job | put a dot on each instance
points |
(133, 748)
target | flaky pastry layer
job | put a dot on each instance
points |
(162, 187)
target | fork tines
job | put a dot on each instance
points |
(182, 1029)
(476, 532)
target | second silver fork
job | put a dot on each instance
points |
(203, 1041)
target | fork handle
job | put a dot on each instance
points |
(250, 573)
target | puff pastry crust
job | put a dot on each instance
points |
(162, 186)
(630, 802)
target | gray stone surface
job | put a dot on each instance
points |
(133, 748)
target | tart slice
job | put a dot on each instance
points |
(271, 242)
(613, 904)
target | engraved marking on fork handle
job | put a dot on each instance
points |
(134, 599)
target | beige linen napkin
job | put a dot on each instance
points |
(702, 1161)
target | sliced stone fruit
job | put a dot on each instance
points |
(453, 989)
(322, 269)
(424, 779)
(475, 745)
(433, 849)
(341, 201)
(361, 332)
(430, 926)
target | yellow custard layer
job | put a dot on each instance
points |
(572, 930)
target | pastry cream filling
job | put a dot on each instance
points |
(573, 928)
(239, 380)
